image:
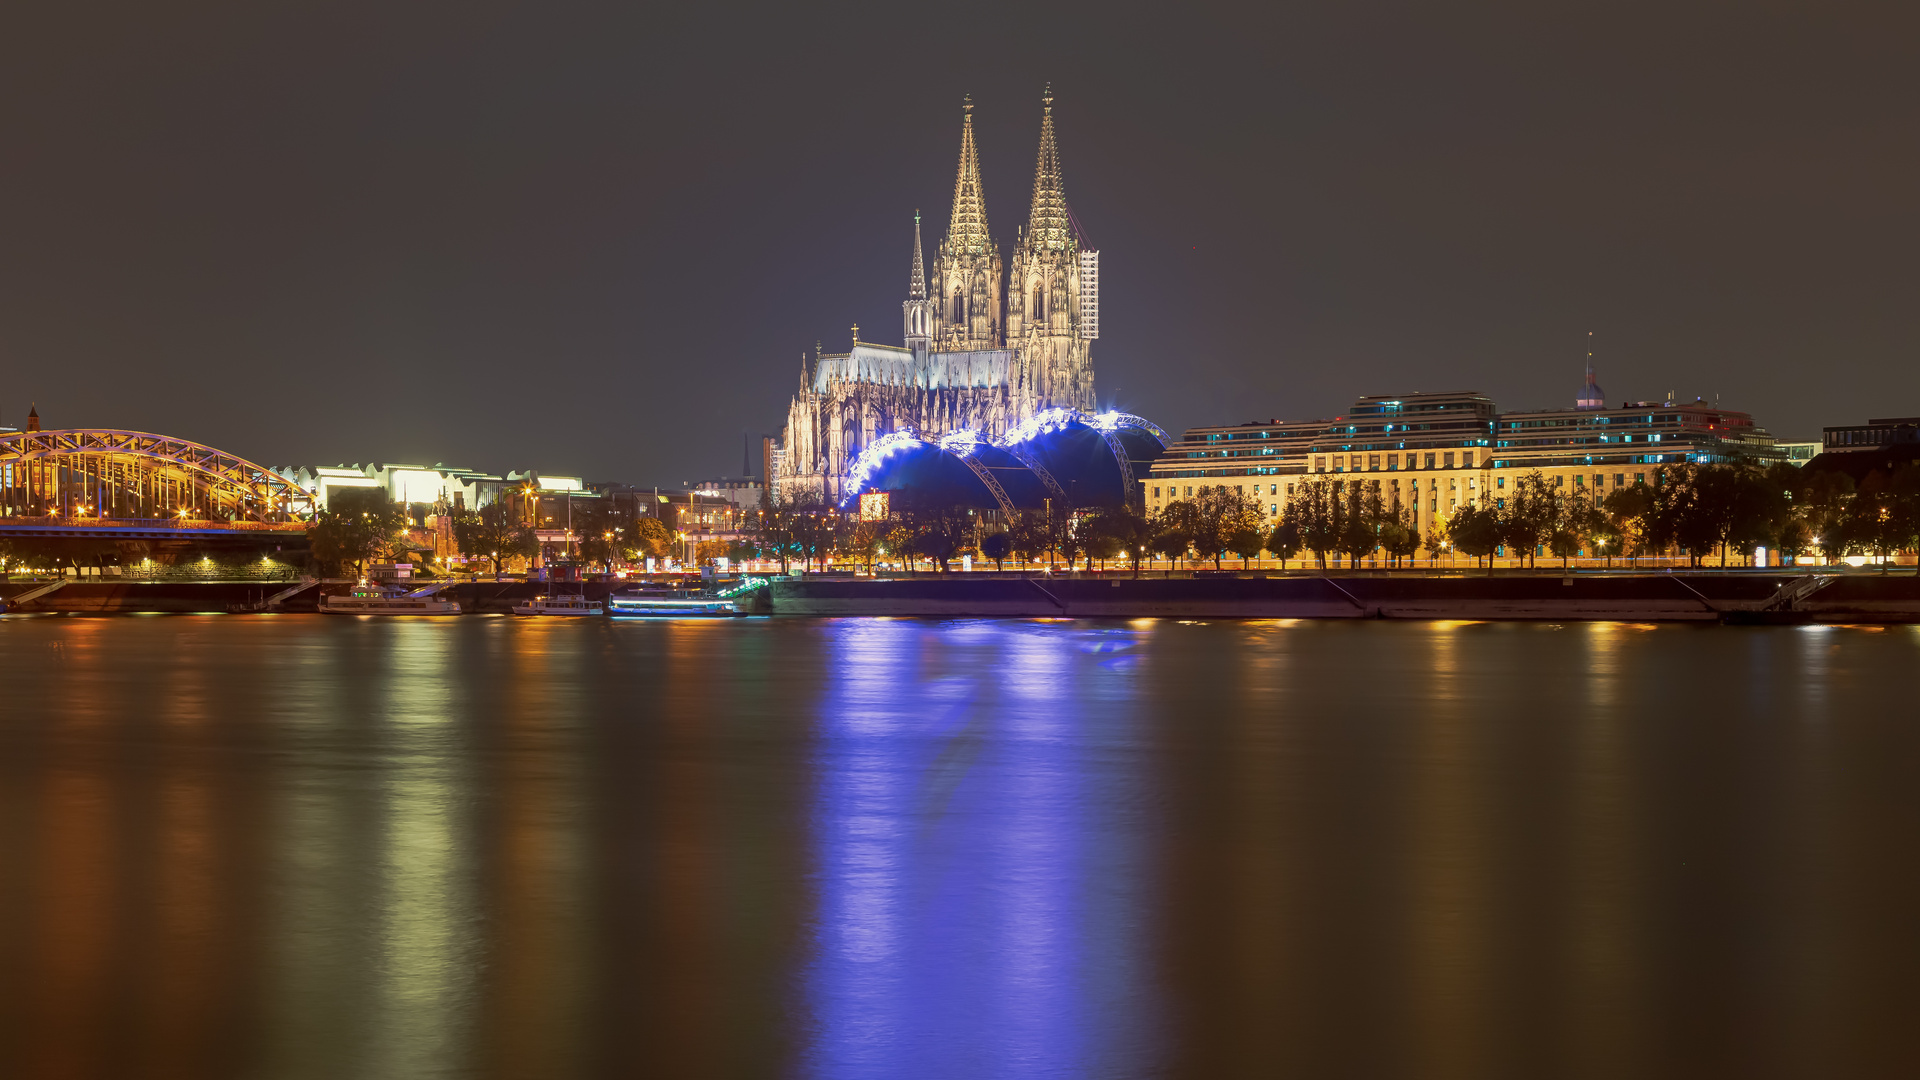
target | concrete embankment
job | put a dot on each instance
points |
(120, 598)
(1705, 597)
(180, 597)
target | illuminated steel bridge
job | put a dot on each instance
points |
(134, 484)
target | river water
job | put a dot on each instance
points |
(309, 846)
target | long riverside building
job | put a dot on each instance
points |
(1437, 452)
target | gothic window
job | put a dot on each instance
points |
(959, 307)
(1039, 304)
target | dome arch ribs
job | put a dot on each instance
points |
(1033, 465)
(992, 483)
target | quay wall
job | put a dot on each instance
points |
(1634, 597)
(1702, 597)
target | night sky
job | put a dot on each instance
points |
(597, 239)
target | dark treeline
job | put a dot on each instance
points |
(1696, 512)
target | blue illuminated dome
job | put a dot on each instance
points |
(1075, 459)
(1591, 396)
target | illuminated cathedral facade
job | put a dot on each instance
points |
(987, 343)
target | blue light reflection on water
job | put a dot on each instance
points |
(979, 911)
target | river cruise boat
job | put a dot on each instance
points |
(367, 599)
(670, 607)
(558, 605)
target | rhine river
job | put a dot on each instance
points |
(325, 847)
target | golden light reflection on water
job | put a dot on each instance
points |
(299, 848)
(1602, 892)
(1450, 866)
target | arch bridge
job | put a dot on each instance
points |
(109, 480)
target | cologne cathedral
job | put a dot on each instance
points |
(987, 345)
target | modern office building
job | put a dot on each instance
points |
(1882, 445)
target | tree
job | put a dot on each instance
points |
(814, 528)
(1573, 524)
(1284, 540)
(1400, 535)
(1102, 534)
(1626, 511)
(1173, 529)
(944, 532)
(772, 527)
(605, 533)
(1320, 517)
(1530, 514)
(1122, 530)
(1794, 538)
(1688, 511)
(864, 541)
(1218, 512)
(742, 549)
(1761, 509)
(1246, 542)
(1069, 540)
(654, 540)
(1359, 534)
(903, 541)
(997, 546)
(1474, 530)
(358, 524)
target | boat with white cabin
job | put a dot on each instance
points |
(376, 599)
(558, 605)
(670, 607)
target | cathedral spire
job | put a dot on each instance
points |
(918, 287)
(967, 231)
(1048, 226)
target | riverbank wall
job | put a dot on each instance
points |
(97, 597)
(1701, 597)
(1738, 597)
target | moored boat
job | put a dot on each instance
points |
(659, 607)
(558, 605)
(367, 599)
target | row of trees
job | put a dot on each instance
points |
(1698, 511)
(361, 525)
(1702, 511)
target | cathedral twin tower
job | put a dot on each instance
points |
(986, 346)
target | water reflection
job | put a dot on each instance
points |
(301, 847)
(963, 821)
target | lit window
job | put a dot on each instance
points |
(1429, 461)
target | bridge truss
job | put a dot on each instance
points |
(79, 474)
